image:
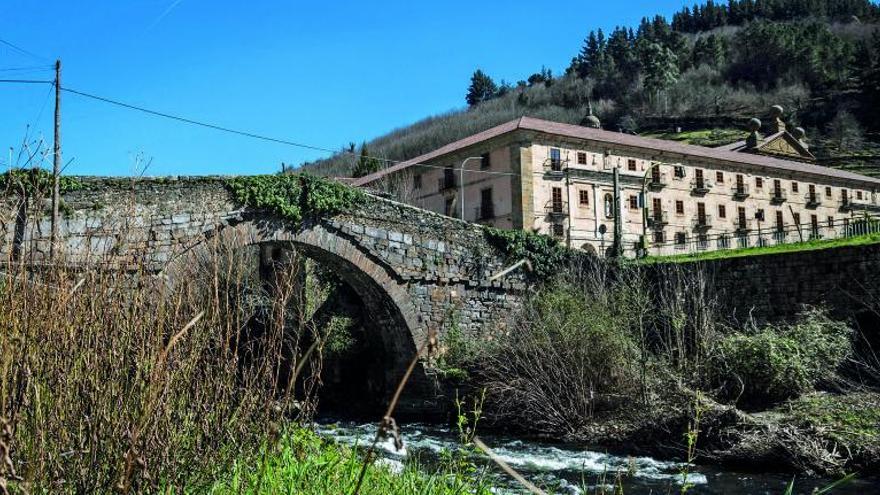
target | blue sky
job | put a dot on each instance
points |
(322, 73)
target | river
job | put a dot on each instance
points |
(574, 470)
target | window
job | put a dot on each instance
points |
(558, 230)
(633, 202)
(719, 177)
(582, 158)
(814, 225)
(487, 206)
(555, 159)
(796, 217)
(831, 222)
(417, 181)
(485, 161)
(449, 206)
(584, 197)
(844, 196)
(827, 191)
(659, 237)
(679, 172)
(448, 181)
(741, 217)
(859, 195)
(701, 213)
(631, 165)
(609, 205)
(680, 239)
(760, 214)
(759, 183)
(780, 223)
(794, 187)
(556, 200)
(679, 207)
(722, 211)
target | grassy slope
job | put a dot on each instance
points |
(757, 251)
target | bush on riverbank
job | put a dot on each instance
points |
(601, 355)
(778, 362)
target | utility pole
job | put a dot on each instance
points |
(56, 163)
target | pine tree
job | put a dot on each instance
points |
(661, 69)
(366, 164)
(482, 88)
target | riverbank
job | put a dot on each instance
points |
(818, 434)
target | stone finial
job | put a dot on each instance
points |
(801, 135)
(754, 136)
(591, 120)
(776, 122)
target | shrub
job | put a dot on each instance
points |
(566, 353)
(780, 362)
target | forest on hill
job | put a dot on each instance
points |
(706, 72)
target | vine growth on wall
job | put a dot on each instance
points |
(35, 182)
(545, 253)
(294, 197)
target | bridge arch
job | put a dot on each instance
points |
(389, 307)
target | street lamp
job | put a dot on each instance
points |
(461, 180)
(645, 208)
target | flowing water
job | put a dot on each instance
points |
(569, 469)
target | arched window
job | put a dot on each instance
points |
(609, 205)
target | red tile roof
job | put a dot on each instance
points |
(628, 140)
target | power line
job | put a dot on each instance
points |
(22, 50)
(196, 122)
(248, 134)
(33, 68)
(254, 135)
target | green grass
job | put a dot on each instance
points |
(759, 251)
(305, 464)
(852, 419)
(704, 137)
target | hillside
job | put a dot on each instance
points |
(706, 72)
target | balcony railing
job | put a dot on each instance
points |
(741, 191)
(701, 186)
(742, 224)
(846, 204)
(702, 222)
(778, 196)
(556, 208)
(658, 181)
(658, 218)
(556, 166)
(812, 199)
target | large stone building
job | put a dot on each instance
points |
(557, 179)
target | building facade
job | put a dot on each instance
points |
(558, 179)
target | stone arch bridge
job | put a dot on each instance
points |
(413, 269)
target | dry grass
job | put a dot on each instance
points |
(125, 383)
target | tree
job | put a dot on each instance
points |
(482, 88)
(366, 164)
(661, 70)
(845, 131)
